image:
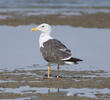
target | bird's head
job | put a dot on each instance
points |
(45, 28)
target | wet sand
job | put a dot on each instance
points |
(34, 85)
(97, 20)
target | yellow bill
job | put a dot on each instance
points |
(34, 29)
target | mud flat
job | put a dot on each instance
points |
(98, 20)
(34, 85)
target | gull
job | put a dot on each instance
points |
(53, 51)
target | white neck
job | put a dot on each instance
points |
(43, 38)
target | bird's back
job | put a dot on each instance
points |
(54, 51)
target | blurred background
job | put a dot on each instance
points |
(87, 13)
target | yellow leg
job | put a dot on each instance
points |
(58, 70)
(48, 90)
(48, 71)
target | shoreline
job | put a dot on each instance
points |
(97, 20)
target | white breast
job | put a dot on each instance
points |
(43, 38)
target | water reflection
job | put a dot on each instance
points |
(27, 83)
(81, 92)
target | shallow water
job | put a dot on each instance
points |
(36, 7)
(25, 84)
(20, 47)
(83, 92)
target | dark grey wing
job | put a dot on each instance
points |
(54, 50)
(60, 46)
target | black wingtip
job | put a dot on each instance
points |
(75, 60)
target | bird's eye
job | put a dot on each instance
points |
(42, 26)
